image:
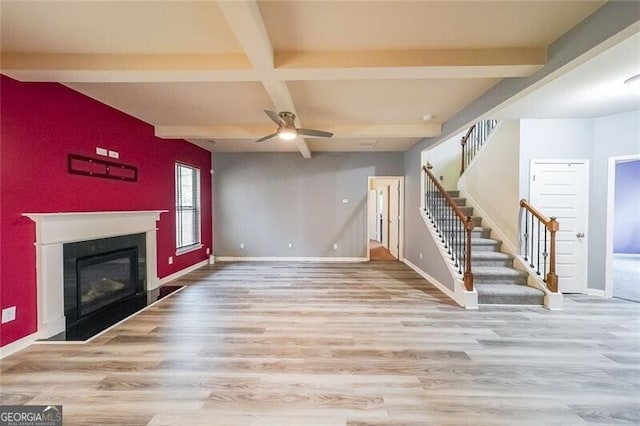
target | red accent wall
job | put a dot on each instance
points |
(41, 123)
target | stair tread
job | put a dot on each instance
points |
(498, 270)
(490, 255)
(507, 290)
(484, 241)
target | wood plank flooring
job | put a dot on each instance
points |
(339, 344)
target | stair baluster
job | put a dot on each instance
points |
(473, 140)
(538, 246)
(452, 225)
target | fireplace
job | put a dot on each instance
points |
(56, 230)
(104, 282)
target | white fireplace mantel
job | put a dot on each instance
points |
(55, 229)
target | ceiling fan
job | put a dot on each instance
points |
(287, 129)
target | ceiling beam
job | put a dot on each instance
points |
(257, 131)
(246, 22)
(257, 65)
(127, 68)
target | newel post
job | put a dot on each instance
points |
(552, 278)
(468, 275)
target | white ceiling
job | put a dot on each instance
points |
(366, 71)
(592, 89)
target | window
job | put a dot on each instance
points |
(187, 208)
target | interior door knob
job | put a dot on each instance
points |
(580, 235)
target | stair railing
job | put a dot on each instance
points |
(538, 243)
(452, 225)
(473, 140)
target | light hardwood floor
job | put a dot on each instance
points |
(336, 344)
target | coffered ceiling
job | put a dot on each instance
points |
(205, 71)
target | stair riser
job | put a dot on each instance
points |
(485, 233)
(484, 247)
(444, 221)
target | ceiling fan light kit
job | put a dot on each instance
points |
(287, 134)
(287, 129)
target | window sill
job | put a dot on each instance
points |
(188, 249)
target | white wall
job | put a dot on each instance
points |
(445, 159)
(492, 178)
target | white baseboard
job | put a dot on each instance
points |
(596, 292)
(290, 259)
(182, 272)
(18, 345)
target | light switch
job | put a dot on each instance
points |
(345, 201)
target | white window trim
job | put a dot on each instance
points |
(189, 249)
(198, 245)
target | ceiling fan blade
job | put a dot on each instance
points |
(315, 133)
(267, 137)
(274, 117)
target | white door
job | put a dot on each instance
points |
(394, 219)
(561, 189)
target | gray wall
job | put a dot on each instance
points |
(591, 139)
(268, 200)
(553, 139)
(614, 135)
(417, 237)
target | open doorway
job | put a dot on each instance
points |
(623, 229)
(385, 211)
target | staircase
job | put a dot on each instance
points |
(495, 279)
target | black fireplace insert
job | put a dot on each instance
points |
(104, 282)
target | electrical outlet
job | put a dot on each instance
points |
(8, 314)
(170, 260)
(241, 246)
(208, 250)
(114, 154)
(290, 245)
(335, 246)
(420, 255)
(101, 151)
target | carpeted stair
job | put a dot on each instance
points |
(494, 277)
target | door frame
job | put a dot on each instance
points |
(400, 179)
(611, 189)
(584, 289)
